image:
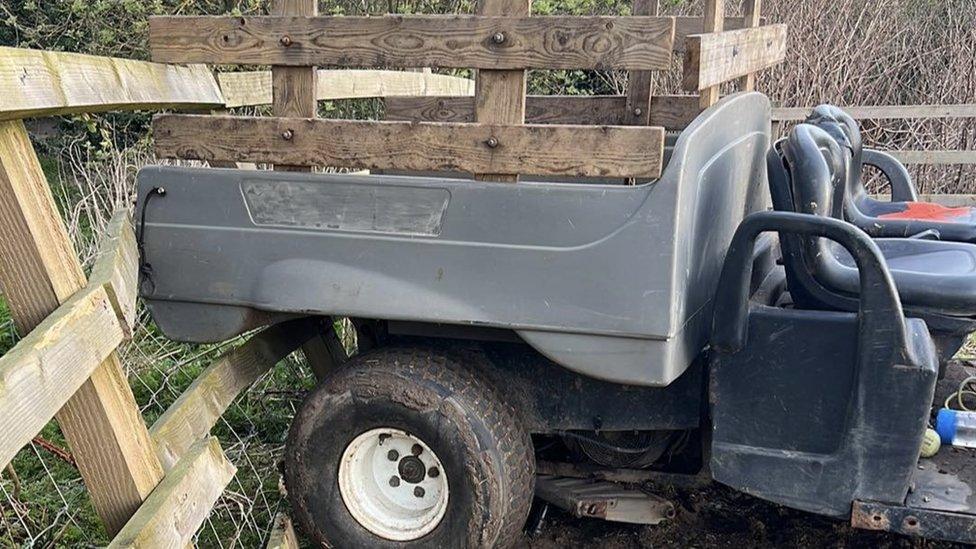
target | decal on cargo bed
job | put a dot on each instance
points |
(346, 207)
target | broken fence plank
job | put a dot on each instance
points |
(176, 508)
(612, 151)
(197, 410)
(46, 83)
(117, 267)
(410, 41)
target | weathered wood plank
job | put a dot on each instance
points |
(117, 267)
(674, 112)
(884, 112)
(711, 59)
(713, 23)
(293, 88)
(198, 408)
(669, 111)
(283, 536)
(243, 89)
(46, 367)
(408, 41)
(685, 26)
(46, 83)
(174, 511)
(38, 271)
(639, 85)
(611, 151)
(935, 157)
(500, 95)
(750, 8)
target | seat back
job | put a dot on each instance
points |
(808, 173)
(846, 131)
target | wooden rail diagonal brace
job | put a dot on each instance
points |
(39, 270)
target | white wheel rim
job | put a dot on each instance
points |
(402, 510)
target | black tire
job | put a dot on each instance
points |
(434, 395)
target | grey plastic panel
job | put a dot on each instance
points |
(611, 281)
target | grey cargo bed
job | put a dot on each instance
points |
(614, 282)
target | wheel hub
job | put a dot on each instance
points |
(412, 469)
(393, 484)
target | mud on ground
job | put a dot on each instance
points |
(720, 517)
(717, 517)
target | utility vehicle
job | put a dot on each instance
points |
(516, 339)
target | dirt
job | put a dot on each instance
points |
(720, 517)
(717, 517)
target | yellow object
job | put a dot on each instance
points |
(930, 443)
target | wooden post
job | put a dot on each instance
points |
(293, 88)
(500, 95)
(714, 21)
(39, 270)
(750, 18)
(293, 94)
(639, 88)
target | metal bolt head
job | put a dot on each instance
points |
(418, 491)
(393, 455)
(433, 472)
(638, 111)
(286, 41)
(498, 38)
(287, 135)
(416, 449)
(394, 481)
(492, 142)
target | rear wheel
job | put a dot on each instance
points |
(407, 447)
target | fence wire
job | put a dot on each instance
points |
(849, 52)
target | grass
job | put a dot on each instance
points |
(46, 504)
(43, 501)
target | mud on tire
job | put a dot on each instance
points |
(435, 396)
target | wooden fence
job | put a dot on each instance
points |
(153, 486)
(485, 133)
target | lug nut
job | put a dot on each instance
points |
(433, 472)
(394, 481)
(393, 455)
(498, 37)
(416, 450)
(418, 491)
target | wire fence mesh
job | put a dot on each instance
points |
(848, 51)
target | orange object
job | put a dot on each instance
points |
(927, 211)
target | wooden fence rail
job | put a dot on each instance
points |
(155, 487)
(44, 83)
(252, 88)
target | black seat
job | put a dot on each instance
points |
(936, 280)
(904, 215)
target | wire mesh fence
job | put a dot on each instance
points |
(849, 52)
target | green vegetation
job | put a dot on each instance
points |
(843, 51)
